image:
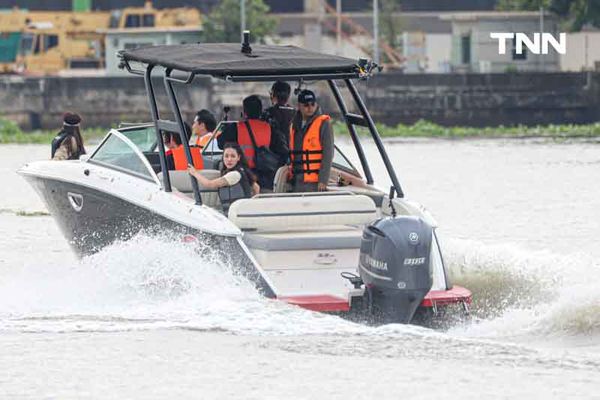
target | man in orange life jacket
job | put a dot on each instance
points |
(261, 130)
(203, 127)
(176, 159)
(311, 145)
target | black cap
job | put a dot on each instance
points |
(307, 96)
(70, 118)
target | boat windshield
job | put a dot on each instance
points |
(116, 153)
(144, 137)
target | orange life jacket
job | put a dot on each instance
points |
(202, 140)
(181, 161)
(262, 136)
(310, 156)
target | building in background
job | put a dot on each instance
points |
(583, 51)
(473, 50)
(432, 36)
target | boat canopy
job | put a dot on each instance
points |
(246, 64)
(222, 60)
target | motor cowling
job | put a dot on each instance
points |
(395, 266)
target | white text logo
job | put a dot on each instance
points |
(539, 44)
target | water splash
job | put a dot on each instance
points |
(150, 283)
(156, 283)
(519, 293)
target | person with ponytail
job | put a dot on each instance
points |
(68, 144)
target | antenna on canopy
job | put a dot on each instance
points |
(298, 89)
(246, 49)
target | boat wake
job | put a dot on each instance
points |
(520, 293)
(159, 283)
(149, 283)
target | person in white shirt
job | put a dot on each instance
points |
(236, 180)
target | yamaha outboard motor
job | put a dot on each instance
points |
(395, 266)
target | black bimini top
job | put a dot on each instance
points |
(223, 60)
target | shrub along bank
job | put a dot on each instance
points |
(11, 133)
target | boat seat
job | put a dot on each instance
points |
(280, 182)
(334, 239)
(287, 212)
(181, 181)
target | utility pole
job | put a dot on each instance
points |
(541, 56)
(338, 10)
(242, 18)
(376, 31)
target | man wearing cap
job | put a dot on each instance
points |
(311, 145)
(68, 143)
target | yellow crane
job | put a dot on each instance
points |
(48, 42)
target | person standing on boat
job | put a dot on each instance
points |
(203, 127)
(236, 181)
(263, 150)
(311, 145)
(68, 144)
(280, 114)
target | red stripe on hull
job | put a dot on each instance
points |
(456, 295)
(318, 302)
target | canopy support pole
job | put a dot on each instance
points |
(182, 132)
(155, 116)
(353, 134)
(375, 134)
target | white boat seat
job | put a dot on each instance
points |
(291, 212)
(294, 241)
(181, 181)
(280, 182)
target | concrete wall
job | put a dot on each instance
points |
(485, 99)
(40, 102)
(449, 99)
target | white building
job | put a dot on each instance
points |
(583, 51)
(474, 50)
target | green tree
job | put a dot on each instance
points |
(223, 24)
(522, 5)
(573, 13)
(578, 13)
(390, 24)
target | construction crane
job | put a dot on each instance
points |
(394, 57)
(48, 42)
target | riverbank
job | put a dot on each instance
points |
(11, 133)
(427, 129)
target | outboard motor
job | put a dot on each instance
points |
(395, 266)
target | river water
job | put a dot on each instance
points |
(145, 319)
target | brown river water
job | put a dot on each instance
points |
(146, 319)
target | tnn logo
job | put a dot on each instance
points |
(539, 44)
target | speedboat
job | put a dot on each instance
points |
(354, 250)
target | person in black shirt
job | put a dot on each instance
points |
(280, 114)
